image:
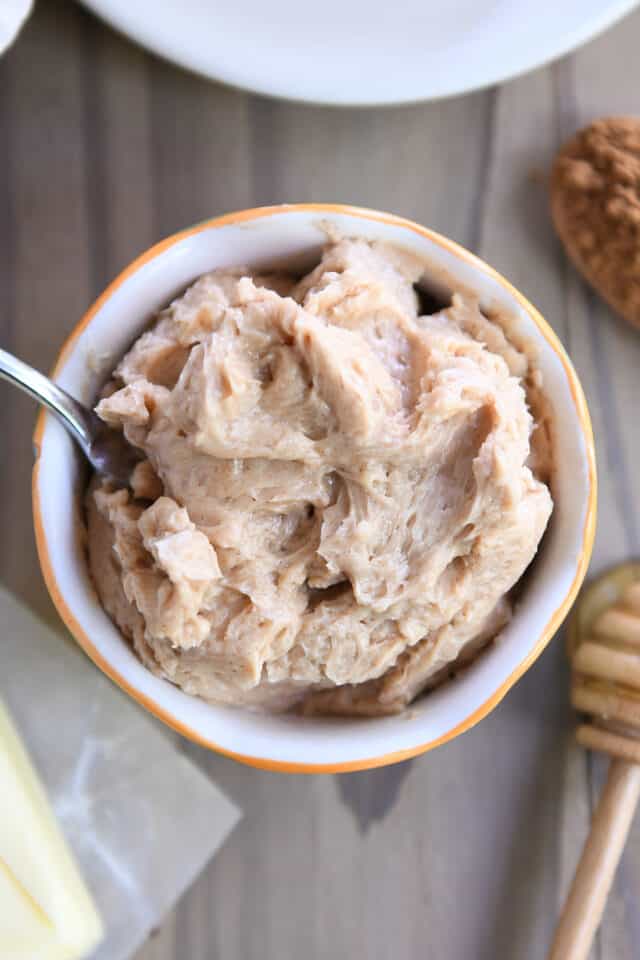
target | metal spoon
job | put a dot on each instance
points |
(106, 449)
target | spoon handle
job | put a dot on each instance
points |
(594, 875)
(72, 415)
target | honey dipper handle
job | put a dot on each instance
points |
(594, 875)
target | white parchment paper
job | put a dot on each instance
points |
(141, 818)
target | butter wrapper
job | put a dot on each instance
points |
(141, 818)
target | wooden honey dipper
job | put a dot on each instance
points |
(604, 648)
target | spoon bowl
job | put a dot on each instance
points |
(107, 450)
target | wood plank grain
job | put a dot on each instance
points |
(118, 144)
(7, 256)
(613, 393)
(50, 259)
(201, 155)
(518, 239)
(397, 159)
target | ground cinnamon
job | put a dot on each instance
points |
(595, 204)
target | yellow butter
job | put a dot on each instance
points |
(25, 932)
(38, 871)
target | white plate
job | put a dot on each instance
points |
(360, 51)
(13, 13)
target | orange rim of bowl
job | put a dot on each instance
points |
(547, 633)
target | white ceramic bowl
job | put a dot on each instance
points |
(265, 237)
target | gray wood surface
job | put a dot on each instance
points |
(463, 854)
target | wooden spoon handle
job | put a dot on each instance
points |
(594, 875)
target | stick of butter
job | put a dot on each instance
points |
(46, 912)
